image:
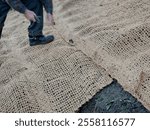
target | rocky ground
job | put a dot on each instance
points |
(113, 99)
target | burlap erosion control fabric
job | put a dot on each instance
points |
(116, 35)
(50, 78)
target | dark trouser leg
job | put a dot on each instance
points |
(4, 8)
(1, 32)
(35, 28)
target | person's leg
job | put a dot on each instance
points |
(1, 28)
(35, 29)
(4, 8)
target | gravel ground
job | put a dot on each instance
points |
(113, 99)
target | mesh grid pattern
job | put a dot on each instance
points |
(116, 35)
(50, 78)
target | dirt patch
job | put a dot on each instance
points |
(113, 99)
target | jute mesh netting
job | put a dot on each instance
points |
(115, 34)
(109, 38)
(50, 78)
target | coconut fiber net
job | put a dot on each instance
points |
(116, 35)
(110, 38)
(51, 78)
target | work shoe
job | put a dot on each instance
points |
(40, 40)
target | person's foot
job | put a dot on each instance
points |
(40, 40)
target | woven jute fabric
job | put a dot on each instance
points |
(48, 78)
(116, 35)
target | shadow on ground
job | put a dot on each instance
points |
(113, 99)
